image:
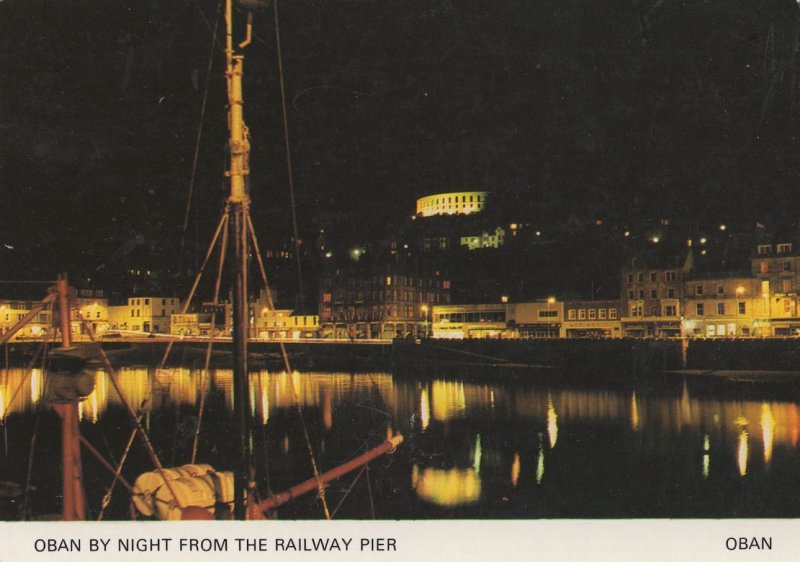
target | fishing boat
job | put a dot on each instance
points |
(193, 490)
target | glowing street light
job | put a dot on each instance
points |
(550, 302)
(424, 308)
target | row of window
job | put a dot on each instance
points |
(472, 317)
(652, 294)
(669, 277)
(722, 308)
(766, 249)
(592, 314)
(147, 301)
(764, 266)
(136, 313)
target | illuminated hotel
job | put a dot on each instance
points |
(455, 203)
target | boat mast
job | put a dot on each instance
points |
(238, 205)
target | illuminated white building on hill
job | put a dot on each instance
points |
(455, 203)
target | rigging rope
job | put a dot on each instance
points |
(199, 137)
(206, 375)
(107, 497)
(298, 406)
(223, 221)
(288, 157)
(112, 374)
(42, 348)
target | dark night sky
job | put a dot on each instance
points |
(620, 109)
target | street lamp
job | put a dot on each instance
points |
(424, 308)
(550, 301)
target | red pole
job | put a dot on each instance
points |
(72, 473)
(311, 484)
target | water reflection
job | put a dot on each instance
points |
(447, 487)
(470, 443)
(768, 431)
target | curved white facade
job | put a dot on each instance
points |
(455, 203)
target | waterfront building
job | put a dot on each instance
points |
(776, 266)
(592, 319)
(190, 324)
(454, 203)
(724, 305)
(465, 321)
(94, 310)
(379, 303)
(285, 324)
(540, 319)
(651, 293)
(144, 314)
(12, 311)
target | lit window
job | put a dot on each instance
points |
(612, 313)
(582, 314)
(592, 314)
(784, 248)
(763, 267)
(571, 315)
(601, 314)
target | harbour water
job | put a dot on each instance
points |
(474, 448)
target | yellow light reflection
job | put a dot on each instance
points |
(448, 487)
(264, 406)
(634, 412)
(540, 466)
(477, 455)
(768, 431)
(424, 409)
(706, 464)
(515, 466)
(743, 451)
(36, 381)
(552, 422)
(448, 400)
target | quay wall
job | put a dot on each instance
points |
(744, 354)
(604, 359)
(601, 359)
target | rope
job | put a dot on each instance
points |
(199, 136)
(186, 304)
(112, 374)
(29, 473)
(288, 156)
(104, 462)
(222, 253)
(298, 406)
(350, 489)
(107, 497)
(369, 489)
